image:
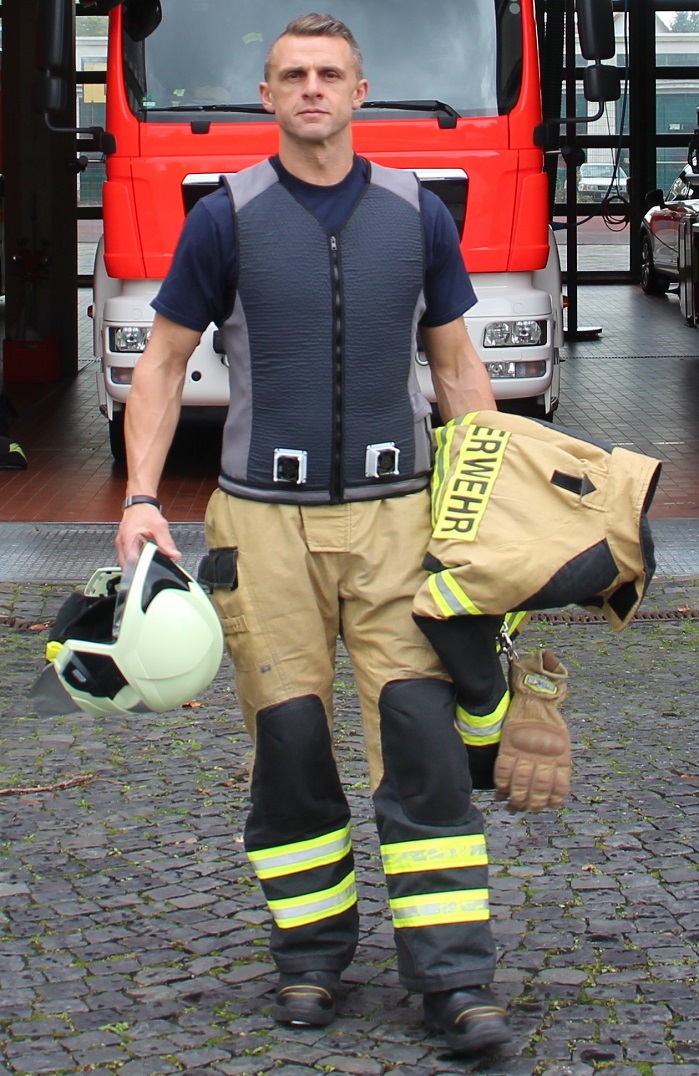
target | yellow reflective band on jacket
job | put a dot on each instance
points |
(312, 907)
(443, 436)
(460, 498)
(438, 854)
(479, 730)
(435, 909)
(449, 596)
(302, 856)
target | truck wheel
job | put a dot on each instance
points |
(116, 436)
(651, 283)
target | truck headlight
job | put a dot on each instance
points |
(128, 338)
(536, 368)
(524, 332)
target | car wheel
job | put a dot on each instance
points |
(651, 283)
(116, 436)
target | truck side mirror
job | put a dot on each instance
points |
(141, 18)
(49, 94)
(596, 30)
(53, 43)
(54, 61)
(601, 82)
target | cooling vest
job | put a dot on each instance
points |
(324, 401)
(527, 515)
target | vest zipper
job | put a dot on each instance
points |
(336, 483)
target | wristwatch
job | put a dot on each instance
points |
(141, 498)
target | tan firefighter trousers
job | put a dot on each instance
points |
(307, 575)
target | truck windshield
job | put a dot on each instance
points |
(207, 54)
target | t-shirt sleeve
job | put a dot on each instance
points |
(197, 288)
(448, 289)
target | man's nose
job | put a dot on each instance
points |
(313, 84)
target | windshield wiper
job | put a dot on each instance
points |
(253, 108)
(448, 117)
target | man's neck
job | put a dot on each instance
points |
(319, 164)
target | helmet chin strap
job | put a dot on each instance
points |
(122, 594)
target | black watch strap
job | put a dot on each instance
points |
(141, 498)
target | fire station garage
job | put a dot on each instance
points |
(562, 136)
(582, 206)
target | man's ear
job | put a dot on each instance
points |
(266, 97)
(360, 93)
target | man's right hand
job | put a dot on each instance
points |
(139, 524)
(150, 421)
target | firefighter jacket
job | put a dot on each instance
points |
(527, 515)
(324, 401)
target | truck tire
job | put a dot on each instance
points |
(651, 283)
(116, 436)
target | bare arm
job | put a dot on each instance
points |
(460, 379)
(151, 419)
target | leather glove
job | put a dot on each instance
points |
(533, 767)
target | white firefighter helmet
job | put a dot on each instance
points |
(145, 640)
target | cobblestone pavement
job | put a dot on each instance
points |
(132, 932)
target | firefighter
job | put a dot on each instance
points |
(318, 267)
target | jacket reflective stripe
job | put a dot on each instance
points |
(302, 856)
(449, 597)
(440, 471)
(312, 907)
(479, 730)
(462, 906)
(438, 854)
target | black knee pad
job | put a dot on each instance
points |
(295, 784)
(424, 758)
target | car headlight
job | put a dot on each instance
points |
(524, 332)
(128, 338)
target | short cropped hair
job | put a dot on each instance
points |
(314, 25)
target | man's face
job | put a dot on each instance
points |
(313, 87)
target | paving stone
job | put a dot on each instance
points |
(148, 1067)
(139, 935)
(33, 1057)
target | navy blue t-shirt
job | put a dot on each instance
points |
(198, 289)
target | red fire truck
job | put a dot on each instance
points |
(455, 96)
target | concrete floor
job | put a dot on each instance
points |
(636, 384)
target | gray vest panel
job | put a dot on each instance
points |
(321, 345)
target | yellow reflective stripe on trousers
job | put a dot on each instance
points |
(513, 620)
(432, 855)
(312, 907)
(435, 909)
(301, 856)
(449, 597)
(479, 730)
